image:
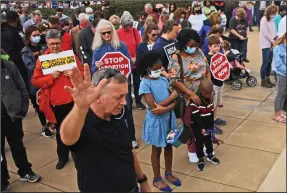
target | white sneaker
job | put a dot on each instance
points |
(204, 151)
(135, 145)
(193, 157)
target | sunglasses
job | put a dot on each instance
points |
(107, 32)
(154, 35)
(108, 73)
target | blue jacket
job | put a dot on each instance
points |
(100, 52)
(205, 48)
(204, 30)
(279, 59)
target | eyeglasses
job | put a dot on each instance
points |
(107, 32)
(54, 44)
(108, 73)
(154, 35)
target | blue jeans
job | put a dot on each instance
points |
(266, 63)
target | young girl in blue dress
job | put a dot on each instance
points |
(160, 118)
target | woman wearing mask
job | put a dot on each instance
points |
(267, 37)
(90, 13)
(195, 68)
(172, 8)
(30, 54)
(116, 21)
(179, 15)
(106, 40)
(197, 18)
(208, 8)
(279, 66)
(162, 19)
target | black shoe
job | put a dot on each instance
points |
(246, 60)
(60, 165)
(32, 177)
(201, 165)
(46, 132)
(219, 122)
(140, 106)
(264, 83)
(269, 82)
(213, 159)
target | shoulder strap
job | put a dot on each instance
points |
(180, 65)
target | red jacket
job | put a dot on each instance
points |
(52, 90)
(131, 38)
(66, 42)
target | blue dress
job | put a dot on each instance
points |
(156, 127)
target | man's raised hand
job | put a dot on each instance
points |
(83, 91)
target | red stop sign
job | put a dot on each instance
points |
(116, 60)
(219, 67)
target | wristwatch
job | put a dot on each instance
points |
(144, 179)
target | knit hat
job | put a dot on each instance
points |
(127, 19)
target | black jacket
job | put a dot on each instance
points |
(86, 37)
(12, 43)
(14, 94)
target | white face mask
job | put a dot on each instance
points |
(155, 74)
(272, 16)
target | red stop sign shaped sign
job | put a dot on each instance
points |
(219, 67)
(118, 61)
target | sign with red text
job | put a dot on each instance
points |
(118, 61)
(220, 67)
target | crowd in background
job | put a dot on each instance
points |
(198, 31)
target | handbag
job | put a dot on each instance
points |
(180, 100)
(174, 136)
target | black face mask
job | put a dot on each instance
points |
(198, 12)
(43, 39)
(282, 15)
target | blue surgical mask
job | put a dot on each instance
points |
(91, 17)
(190, 50)
(181, 20)
(35, 39)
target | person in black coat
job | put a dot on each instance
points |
(12, 41)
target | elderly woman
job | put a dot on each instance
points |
(53, 100)
(131, 37)
(106, 40)
(195, 68)
(116, 21)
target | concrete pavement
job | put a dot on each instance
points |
(252, 145)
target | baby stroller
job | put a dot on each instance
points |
(236, 73)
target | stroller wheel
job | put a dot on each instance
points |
(236, 85)
(251, 81)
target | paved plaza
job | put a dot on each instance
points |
(251, 158)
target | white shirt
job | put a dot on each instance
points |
(282, 26)
(197, 21)
(262, 5)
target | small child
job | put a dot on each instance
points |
(218, 85)
(232, 57)
(203, 124)
(160, 118)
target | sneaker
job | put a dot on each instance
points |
(52, 128)
(140, 106)
(213, 159)
(219, 122)
(204, 151)
(135, 145)
(201, 165)
(30, 178)
(47, 133)
(192, 157)
(218, 131)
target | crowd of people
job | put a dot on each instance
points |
(91, 111)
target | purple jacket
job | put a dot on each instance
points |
(248, 16)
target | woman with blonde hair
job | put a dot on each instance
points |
(267, 37)
(149, 19)
(116, 21)
(279, 67)
(106, 40)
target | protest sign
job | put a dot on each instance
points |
(58, 62)
(220, 67)
(169, 50)
(116, 60)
